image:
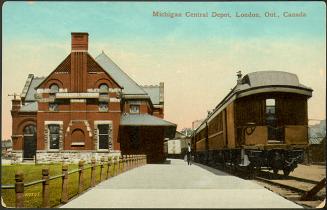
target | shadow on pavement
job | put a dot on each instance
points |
(166, 162)
(212, 170)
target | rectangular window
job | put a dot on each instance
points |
(54, 136)
(270, 106)
(135, 109)
(103, 136)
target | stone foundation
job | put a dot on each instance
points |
(65, 156)
(17, 157)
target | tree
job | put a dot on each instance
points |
(187, 132)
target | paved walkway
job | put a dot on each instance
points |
(177, 185)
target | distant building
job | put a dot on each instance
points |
(177, 147)
(88, 107)
(317, 142)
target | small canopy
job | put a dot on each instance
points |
(148, 120)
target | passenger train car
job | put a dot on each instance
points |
(262, 122)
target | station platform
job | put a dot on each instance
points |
(177, 185)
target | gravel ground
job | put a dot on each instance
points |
(312, 172)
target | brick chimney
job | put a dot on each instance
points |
(78, 76)
(80, 41)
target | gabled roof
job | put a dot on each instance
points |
(130, 86)
(154, 93)
(65, 66)
(31, 91)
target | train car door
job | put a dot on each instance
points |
(271, 121)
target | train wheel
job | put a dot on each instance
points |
(275, 170)
(286, 172)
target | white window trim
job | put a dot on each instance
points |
(47, 123)
(100, 122)
(134, 112)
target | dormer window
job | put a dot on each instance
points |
(103, 100)
(103, 88)
(54, 88)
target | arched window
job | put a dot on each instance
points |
(78, 137)
(54, 88)
(29, 130)
(103, 88)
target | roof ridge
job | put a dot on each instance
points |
(149, 86)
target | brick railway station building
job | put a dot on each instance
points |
(87, 108)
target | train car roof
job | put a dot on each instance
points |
(268, 78)
(260, 82)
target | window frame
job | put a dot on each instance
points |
(134, 112)
(47, 124)
(110, 134)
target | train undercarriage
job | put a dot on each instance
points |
(252, 160)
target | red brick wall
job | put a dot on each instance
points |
(19, 121)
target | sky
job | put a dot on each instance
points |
(196, 57)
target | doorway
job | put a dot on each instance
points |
(29, 142)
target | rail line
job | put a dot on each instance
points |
(288, 187)
(266, 174)
(274, 180)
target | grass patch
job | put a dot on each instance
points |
(33, 194)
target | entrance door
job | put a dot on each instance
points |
(29, 142)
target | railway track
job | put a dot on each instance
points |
(289, 187)
(296, 184)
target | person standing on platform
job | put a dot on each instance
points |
(189, 154)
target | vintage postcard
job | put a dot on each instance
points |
(163, 104)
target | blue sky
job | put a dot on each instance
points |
(121, 20)
(197, 58)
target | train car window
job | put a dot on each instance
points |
(270, 106)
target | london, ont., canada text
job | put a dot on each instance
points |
(218, 14)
